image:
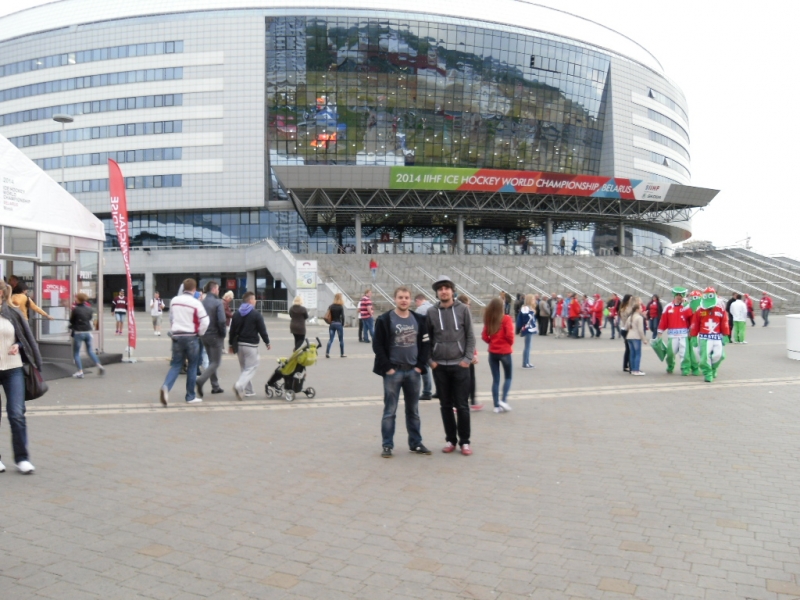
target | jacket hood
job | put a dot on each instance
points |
(245, 309)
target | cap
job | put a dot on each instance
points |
(559, 296)
(443, 280)
(597, 295)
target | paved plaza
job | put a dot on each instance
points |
(597, 485)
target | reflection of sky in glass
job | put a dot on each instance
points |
(389, 92)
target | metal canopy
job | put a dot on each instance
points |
(322, 207)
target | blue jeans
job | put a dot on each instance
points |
(636, 354)
(13, 383)
(184, 348)
(526, 351)
(584, 322)
(495, 360)
(409, 382)
(614, 326)
(654, 326)
(427, 383)
(369, 328)
(336, 328)
(80, 338)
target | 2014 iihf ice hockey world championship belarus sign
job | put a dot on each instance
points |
(525, 182)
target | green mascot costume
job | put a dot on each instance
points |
(710, 326)
(695, 298)
(675, 321)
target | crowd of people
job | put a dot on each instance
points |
(426, 352)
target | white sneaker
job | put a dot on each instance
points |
(742, 342)
(194, 400)
(249, 394)
(78, 375)
(164, 396)
(505, 406)
(2, 468)
(638, 373)
(102, 370)
(25, 467)
(497, 409)
(238, 391)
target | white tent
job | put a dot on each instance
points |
(33, 200)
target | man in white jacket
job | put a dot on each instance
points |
(188, 322)
(739, 314)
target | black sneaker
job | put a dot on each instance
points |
(387, 452)
(425, 397)
(217, 391)
(420, 450)
(199, 387)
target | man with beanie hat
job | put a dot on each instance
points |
(452, 347)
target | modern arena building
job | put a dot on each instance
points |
(352, 125)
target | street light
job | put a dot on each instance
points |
(63, 119)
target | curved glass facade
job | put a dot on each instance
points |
(366, 91)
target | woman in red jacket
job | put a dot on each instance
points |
(498, 332)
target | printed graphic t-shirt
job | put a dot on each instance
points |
(403, 350)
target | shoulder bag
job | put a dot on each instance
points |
(35, 385)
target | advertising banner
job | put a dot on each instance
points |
(55, 289)
(119, 214)
(524, 182)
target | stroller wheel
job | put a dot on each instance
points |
(269, 391)
(289, 395)
(310, 392)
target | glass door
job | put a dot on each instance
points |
(55, 275)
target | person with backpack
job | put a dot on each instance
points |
(156, 310)
(527, 327)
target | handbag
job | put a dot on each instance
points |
(328, 317)
(35, 385)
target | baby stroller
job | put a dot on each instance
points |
(288, 378)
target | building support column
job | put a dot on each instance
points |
(251, 281)
(358, 234)
(621, 238)
(460, 235)
(548, 237)
(149, 289)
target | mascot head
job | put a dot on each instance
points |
(695, 298)
(709, 298)
(679, 294)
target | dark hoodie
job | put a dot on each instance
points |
(451, 334)
(246, 327)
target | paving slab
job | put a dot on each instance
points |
(597, 485)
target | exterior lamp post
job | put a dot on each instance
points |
(63, 119)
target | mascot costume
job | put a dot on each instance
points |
(695, 299)
(710, 325)
(675, 320)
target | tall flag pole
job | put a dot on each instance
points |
(119, 214)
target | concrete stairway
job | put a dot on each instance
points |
(482, 277)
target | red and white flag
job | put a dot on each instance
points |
(119, 214)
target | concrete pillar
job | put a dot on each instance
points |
(460, 249)
(548, 237)
(621, 239)
(358, 234)
(149, 289)
(251, 281)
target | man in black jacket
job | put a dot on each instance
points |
(213, 339)
(246, 327)
(401, 347)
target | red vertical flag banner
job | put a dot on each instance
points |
(119, 214)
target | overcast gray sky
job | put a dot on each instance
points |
(734, 62)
